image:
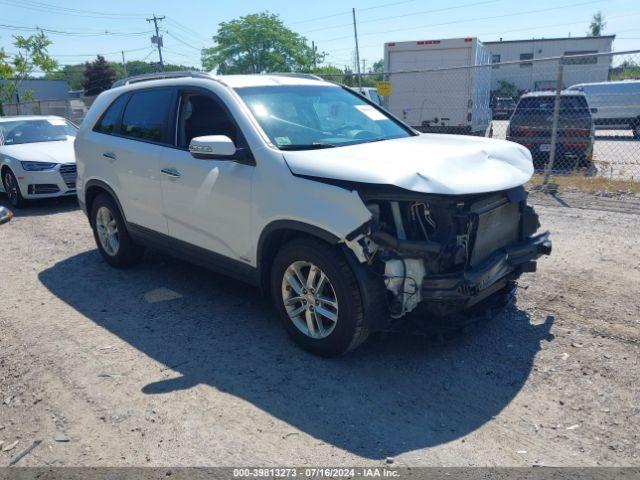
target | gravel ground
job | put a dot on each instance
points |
(168, 364)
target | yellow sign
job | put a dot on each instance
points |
(383, 89)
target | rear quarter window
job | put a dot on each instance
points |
(109, 121)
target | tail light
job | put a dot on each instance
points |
(581, 133)
(523, 132)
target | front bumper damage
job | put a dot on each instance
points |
(447, 254)
(474, 285)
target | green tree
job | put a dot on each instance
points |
(596, 27)
(72, 74)
(506, 89)
(32, 55)
(259, 43)
(98, 76)
(627, 70)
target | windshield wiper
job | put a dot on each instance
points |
(311, 146)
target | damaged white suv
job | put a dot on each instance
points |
(348, 217)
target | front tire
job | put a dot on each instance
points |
(318, 298)
(12, 189)
(110, 232)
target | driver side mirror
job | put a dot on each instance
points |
(5, 215)
(212, 147)
(594, 110)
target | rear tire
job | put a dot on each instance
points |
(110, 232)
(327, 338)
(12, 189)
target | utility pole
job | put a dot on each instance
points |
(157, 39)
(364, 65)
(355, 34)
(315, 53)
(124, 65)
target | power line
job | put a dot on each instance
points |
(58, 10)
(187, 30)
(62, 32)
(55, 55)
(173, 35)
(413, 14)
(470, 20)
(349, 12)
(564, 24)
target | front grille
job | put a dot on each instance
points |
(69, 174)
(42, 188)
(497, 228)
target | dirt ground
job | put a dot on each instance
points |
(168, 364)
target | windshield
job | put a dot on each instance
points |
(307, 117)
(33, 131)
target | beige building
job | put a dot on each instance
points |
(542, 75)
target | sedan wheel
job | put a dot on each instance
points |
(12, 189)
(310, 299)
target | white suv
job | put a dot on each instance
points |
(348, 217)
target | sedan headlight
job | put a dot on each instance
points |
(37, 166)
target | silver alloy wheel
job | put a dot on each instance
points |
(107, 231)
(309, 299)
(11, 188)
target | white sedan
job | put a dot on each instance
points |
(37, 158)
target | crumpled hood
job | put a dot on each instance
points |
(55, 152)
(429, 163)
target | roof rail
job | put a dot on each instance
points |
(158, 76)
(310, 76)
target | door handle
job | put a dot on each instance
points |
(110, 155)
(171, 172)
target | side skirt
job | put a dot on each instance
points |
(194, 254)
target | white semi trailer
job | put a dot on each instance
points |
(437, 85)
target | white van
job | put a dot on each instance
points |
(614, 105)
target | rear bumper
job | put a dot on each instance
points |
(474, 285)
(564, 147)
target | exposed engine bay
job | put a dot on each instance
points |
(447, 251)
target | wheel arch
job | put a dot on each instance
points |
(372, 289)
(277, 233)
(94, 188)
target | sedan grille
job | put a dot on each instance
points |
(69, 174)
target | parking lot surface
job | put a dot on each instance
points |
(169, 364)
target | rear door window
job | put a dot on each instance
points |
(545, 105)
(147, 116)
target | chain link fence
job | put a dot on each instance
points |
(73, 110)
(579, 115)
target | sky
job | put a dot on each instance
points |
(85, 28)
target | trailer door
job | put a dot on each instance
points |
(437, 97)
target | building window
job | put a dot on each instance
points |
(526, 56)
(495, 59)
(586, 60)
